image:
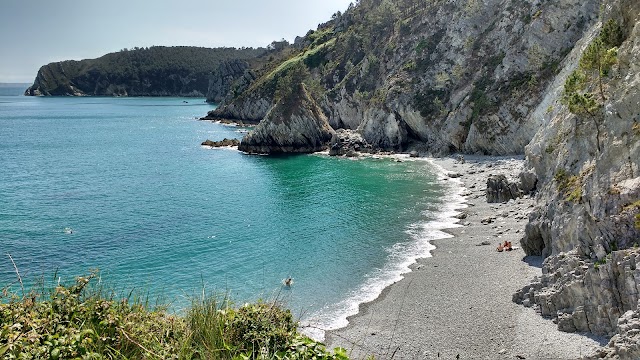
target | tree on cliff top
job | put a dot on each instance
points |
(595, 64)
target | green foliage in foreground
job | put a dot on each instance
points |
(84, 322)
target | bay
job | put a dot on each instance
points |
(123, 185)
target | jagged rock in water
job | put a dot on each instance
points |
(221, 143)
(500, 190)
(294, 125)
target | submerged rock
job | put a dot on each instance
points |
(294, 125)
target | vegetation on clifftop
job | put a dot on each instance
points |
(153, 71)
(85, 321)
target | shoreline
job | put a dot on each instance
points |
(458, 301)
(421, 247)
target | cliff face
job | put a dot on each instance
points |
(587, 223)
(155, 71)
(222, 79)
(295, 124)
(441, 75)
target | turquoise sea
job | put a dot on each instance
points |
(123, 185)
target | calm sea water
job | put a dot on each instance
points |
(123, 185)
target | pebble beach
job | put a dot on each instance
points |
(458, 303)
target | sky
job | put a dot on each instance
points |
(36, 32)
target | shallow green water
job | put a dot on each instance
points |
(124, 186)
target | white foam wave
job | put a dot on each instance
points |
(401, 257)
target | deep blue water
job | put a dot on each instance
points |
(123, 185)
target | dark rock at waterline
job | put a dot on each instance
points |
(347, 142)
(221, 143)
(295, 124)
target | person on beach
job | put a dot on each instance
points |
(506, 246)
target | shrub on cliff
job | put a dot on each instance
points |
(84, 321)
(595, 64)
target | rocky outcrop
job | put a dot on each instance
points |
(348, 142)
(295, 124)
(588, 171)
(252, 108)
(625, 345)
(222, 143)
(500, 190)
(583, 295)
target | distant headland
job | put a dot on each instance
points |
(153, 71)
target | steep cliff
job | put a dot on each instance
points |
(222, 79)
(587, 223)
(440, 75)
(154, 71)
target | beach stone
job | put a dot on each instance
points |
(500, 190)
(488, 220)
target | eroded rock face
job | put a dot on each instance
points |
(464, 77)
(346, 142)
(223, 78)
(625, 345)
(585, 220)
(584, 295)
(294, 125)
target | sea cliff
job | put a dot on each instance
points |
(154, 71)
(435, 76)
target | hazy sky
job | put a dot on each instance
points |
(36, 32)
